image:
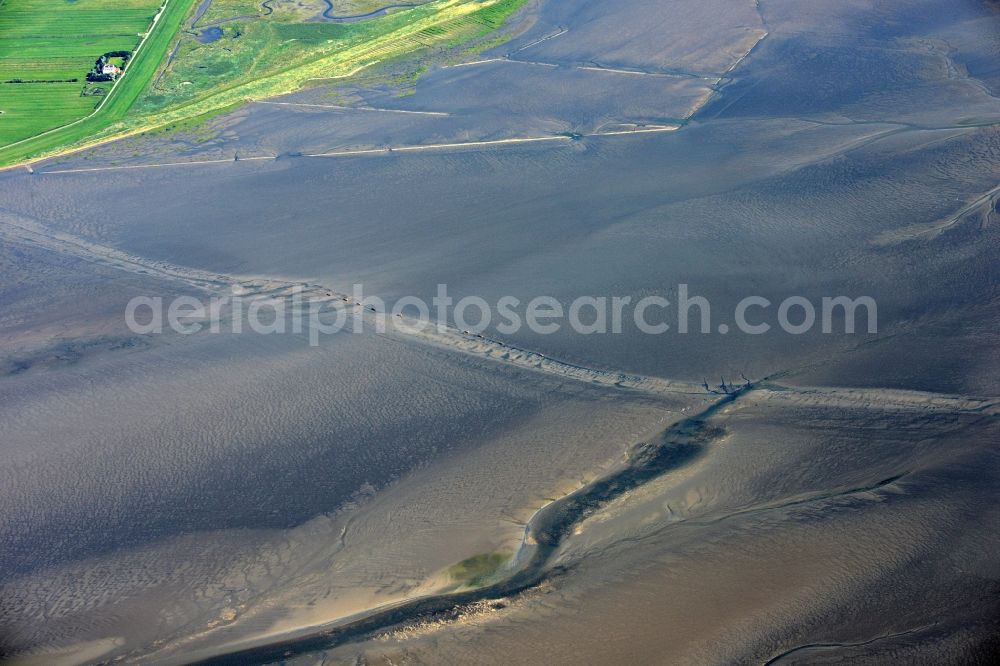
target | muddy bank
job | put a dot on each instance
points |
(679, 445)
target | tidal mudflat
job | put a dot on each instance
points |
(521, 497)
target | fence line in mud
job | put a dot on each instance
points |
(387, 150)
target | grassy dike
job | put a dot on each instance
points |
(442, 23)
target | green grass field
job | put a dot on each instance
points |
(256, 58)
(47, 44)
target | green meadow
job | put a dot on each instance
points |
(46, 49)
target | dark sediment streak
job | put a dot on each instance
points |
(679, 445)
(834, 646)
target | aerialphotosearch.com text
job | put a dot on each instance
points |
(317, 312)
